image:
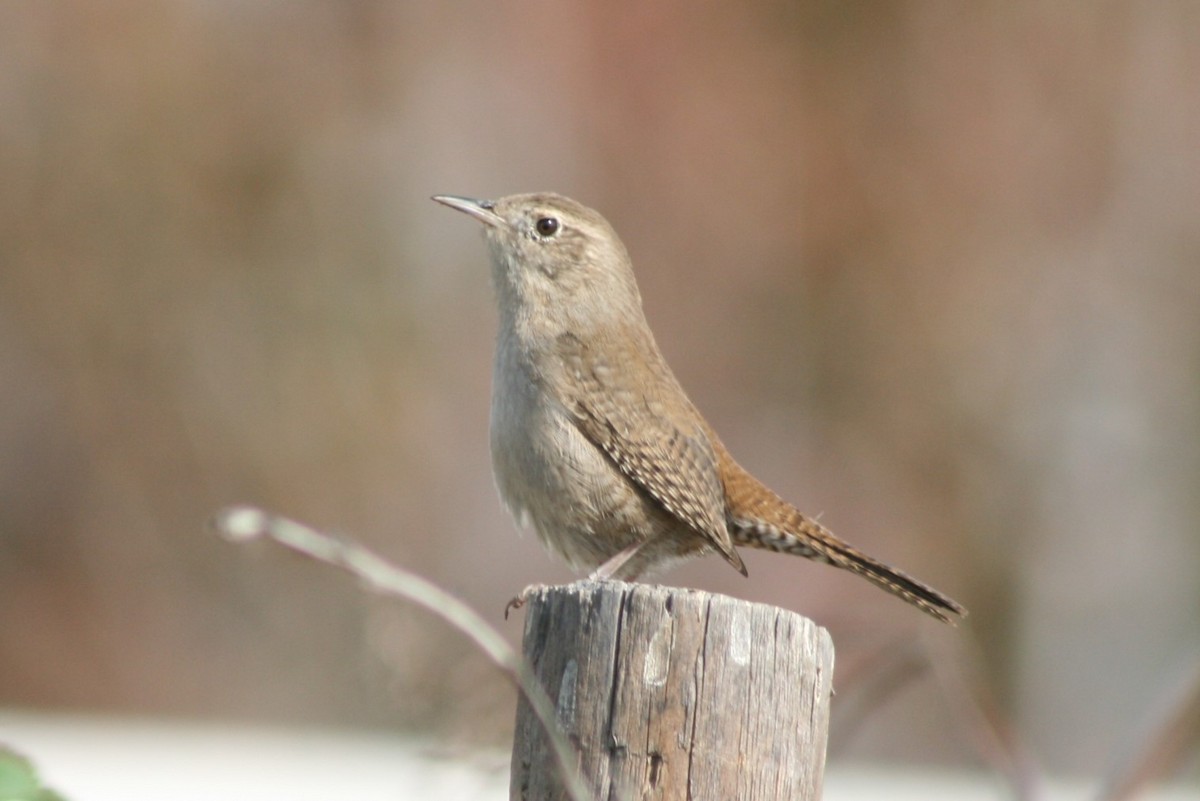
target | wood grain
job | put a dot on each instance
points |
(675, 694)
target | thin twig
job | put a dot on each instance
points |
(869, 684)
(1160, 747)
(243, 523)
(965, 686)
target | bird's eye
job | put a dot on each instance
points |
(547, 226)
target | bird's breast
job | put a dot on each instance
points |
(551, 477)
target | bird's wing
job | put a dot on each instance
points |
(644, 422)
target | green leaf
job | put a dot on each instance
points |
(19, 781)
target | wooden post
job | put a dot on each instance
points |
(670, 693)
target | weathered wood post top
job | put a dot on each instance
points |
(670, 693)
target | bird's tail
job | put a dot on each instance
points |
(759, 518)
(805, 537)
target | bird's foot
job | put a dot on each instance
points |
(519, 600)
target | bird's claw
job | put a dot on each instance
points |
(519, 600)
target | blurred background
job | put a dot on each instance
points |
(933, 270)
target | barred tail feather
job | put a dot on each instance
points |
(922, 596)
(813, 541)
(758, 518)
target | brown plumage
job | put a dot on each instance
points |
(594, 442)
(759, 518)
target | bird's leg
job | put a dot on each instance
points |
(614, 563)
(602, 573)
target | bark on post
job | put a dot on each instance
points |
(670, 693)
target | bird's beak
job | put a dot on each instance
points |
(482, 210)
